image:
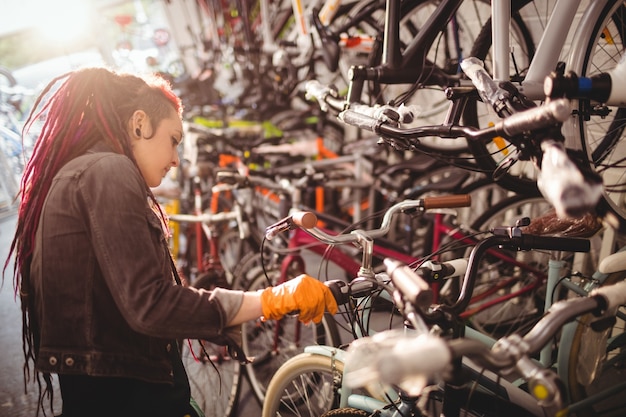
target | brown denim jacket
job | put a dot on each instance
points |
(103, 292)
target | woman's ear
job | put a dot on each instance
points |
(139, 124)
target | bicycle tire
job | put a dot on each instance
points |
(273, 342)
(612, 365)
(602, 136)
(232, 250)
(247, 263)
(313, 378)
(214, 377)
(345, 412)
(317, 380)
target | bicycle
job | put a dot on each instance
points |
(328, 361)
(397, 63)
(214, 239)
(365, 360)
(253, 268)
(214, 375)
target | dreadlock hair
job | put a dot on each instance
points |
(91, 105)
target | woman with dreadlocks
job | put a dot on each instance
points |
(100, 300)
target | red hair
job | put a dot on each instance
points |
(91, 105)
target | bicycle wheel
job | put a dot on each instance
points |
(605, 349)
(271, 343)
(248, 262)
(232, 251)
(601, 128)
(308, 384)
(214, 377)
(346, 412)
(304, 386)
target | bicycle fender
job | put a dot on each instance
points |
(328, 351)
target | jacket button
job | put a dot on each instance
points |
(69, 361)
(52, 361)
(168, 347)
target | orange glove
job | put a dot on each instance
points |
(304, 294)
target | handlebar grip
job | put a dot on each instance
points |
(359, 120)
(304, 219)
(315, 88)
(567, 244)
(340, 291)
(615, 295)
(412, 286)
(435, 271)
(555, 111)
(487, 88)
(447, 201)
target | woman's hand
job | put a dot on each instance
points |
(303, 295)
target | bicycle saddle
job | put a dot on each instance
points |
(551, 225)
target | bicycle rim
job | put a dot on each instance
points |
(305, 386)
(232, 250)
(271, 343)
(214, 377)
(607, 350)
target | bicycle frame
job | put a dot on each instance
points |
(553, 39)
(493, 382)
(300, 238)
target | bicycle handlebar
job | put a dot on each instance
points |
(426, 203)
(207, 218)
(411, 285)
(536, 118)
(556, 111)
(388, 357)
(326, 97)
(551, 243)
(487, 88)
(447, 201)
(560, 180)
(303, 219)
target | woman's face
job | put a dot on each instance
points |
(157, 154)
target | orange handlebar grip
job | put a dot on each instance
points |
(447, 201)
(305, 219)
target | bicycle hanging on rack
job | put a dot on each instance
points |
(596, 46)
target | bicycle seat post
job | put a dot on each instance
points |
(555, 265)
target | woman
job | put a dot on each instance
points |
(100, 304)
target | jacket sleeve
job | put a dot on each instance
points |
(132, 254)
